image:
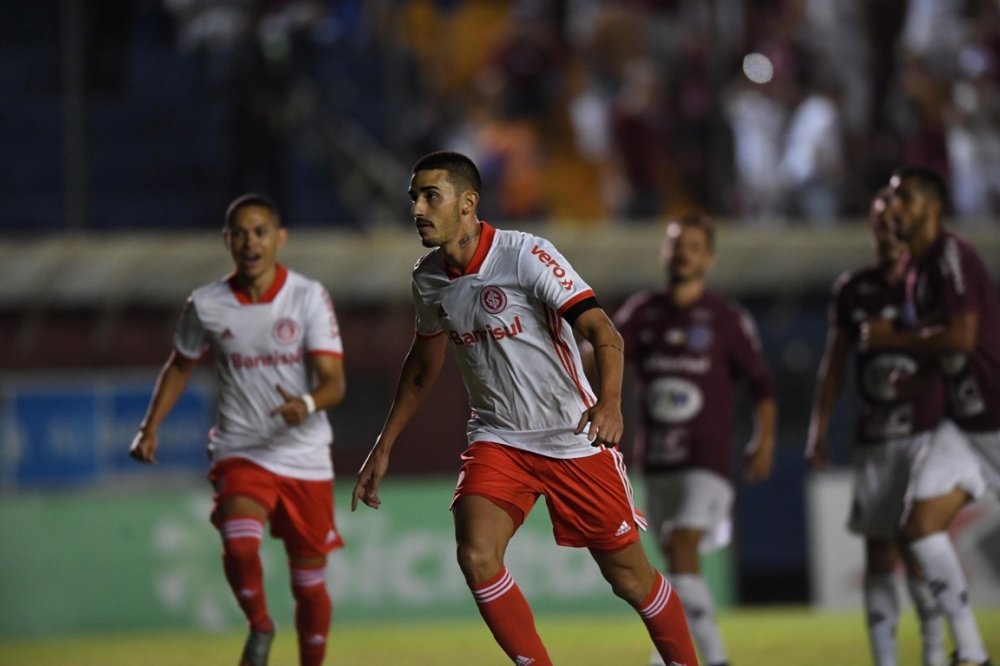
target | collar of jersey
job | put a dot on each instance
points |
(243, 296)
(485, 243)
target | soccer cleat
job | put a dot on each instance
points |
(256, 648)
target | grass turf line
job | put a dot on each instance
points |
(759, 636)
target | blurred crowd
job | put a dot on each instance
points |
(763, 110)
(767, 111)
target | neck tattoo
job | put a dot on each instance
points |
(471, 238)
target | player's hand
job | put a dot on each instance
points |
(294, 412)
(606, 424)
(143, 448)
(817, 454)
(875, 334)
(759, 462)
(370, 478)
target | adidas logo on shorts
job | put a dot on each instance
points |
(525, 661)
(624, 528)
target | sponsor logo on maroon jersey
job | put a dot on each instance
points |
(286, 331)
(493, 299)
(558, 271)
(498, 333)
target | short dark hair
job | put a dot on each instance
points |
(929, 181)
(251, 199)
(698, 220)
(462, 171)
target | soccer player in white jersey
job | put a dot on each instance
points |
(275, 344)
(508, 303)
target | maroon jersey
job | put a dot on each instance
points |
(689, 361)
(901, 394)
(949, 280)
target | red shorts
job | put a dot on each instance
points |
(300, 512)
(589, 499)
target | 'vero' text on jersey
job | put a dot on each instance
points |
(557, 270)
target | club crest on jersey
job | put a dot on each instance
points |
(286, 331)
(699, 338)
(493, 299)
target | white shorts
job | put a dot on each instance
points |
(951, 462)
(882, 490)
(692, 498)
(986, 447)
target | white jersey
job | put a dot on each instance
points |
(255, 347)
(516, 353)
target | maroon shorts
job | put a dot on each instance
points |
(589, 499)
(300, 512)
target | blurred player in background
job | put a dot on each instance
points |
(508, 303)
(902, 402)
(273, 337)
(690, 348)
(955, 315)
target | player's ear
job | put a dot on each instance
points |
(937, 208)
(226, 237)
(282, 236)
(470, 202)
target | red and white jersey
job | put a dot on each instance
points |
(515, 351)
(256, 346)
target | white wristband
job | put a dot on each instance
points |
(310, 402)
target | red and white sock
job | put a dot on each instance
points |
(663, 615)
(241, 538)
(509, 617)
(313, 612)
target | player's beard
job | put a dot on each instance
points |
(439, 230)
(908, 233)
(679, 276)
(888, 254)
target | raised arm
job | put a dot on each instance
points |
(829, 384)
(605, 417)
(420, 370)
(173, 379)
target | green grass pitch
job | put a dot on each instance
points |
(795, 635)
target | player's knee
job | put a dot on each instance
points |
(880, 556)
(478, 562)
(240, 549)
(629, 586)
(922, 521)
(682, 551)
(311, 595)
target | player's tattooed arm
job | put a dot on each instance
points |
(420, 370)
